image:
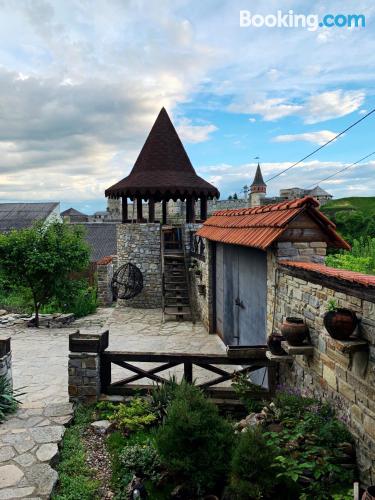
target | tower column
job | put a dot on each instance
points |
(151, 210)
(124, 206)
(203, 207)
(139, 210)
(164, 211)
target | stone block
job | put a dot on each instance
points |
(346, 390)
(369, 425)
(329, 376)
(356, 413)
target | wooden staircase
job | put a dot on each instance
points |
(176, 293)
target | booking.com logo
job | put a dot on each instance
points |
(309, 21)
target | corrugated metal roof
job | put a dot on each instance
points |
(259, 227)
(353, 277)
(102, 239)
(22, 215)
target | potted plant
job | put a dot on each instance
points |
(340, 323)
(295, 330)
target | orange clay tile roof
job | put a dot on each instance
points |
(259, 227)
(321, 269)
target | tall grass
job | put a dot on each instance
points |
(360, 259)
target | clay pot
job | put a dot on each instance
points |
(295, 331)
(341, 323)
(369, 494)
(274, 344)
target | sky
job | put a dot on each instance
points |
(82, 81)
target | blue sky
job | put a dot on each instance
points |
(81, 83)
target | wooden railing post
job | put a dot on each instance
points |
(105, 372)
(188, 371)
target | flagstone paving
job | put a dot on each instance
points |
(29, 440)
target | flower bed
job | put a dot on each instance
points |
(175, 444)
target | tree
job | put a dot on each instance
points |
(230, 197)
(235, 196)
(42, 258)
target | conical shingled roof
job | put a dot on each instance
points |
(258, 179)
(163, 169)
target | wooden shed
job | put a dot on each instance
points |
(244, 245)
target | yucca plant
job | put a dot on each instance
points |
(8, 398)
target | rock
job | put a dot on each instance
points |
(47, 434)
(47, 452)
(43, 476)
(21, 442)
(10, 475)
(3, 312)
(11, 493)
(58, 410)
(102, 426)
(6, 453)
(25, 460)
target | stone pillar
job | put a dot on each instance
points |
(151, 210)
(124, 202)
(139, 210)
(84, 381)
(104, 271)
(6, 359)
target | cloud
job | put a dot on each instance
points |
(306, 175)
(334, 104)
(320, 137)
(189, 132)
(316, 108)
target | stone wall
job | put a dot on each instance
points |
(314, 251)
(104, 272)
(336, 373)
(139, 244)
(200, 274)
(6, 359)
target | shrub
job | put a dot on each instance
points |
(162, 395)
(142, 460)
(194, 442)
(246, 391)
(251, 473)
(8, 399)
(129, 417)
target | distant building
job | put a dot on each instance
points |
(72, 216)
(258, 189)
(317, 192)
(22, 215)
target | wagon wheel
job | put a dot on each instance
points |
(127, 282)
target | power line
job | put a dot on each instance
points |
(323, 146)
(341, 170)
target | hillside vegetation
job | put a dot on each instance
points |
(355, 221)
(354, 217)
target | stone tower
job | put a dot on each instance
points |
(257, 189)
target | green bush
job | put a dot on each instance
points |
(162, 395)
(194, 441)
(251, 473)
(8, 399)
(142, 460)
(130, 417)
(360, 259)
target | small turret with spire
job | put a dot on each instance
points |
(258, 189)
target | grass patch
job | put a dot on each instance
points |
(362, 203)
(76, 479)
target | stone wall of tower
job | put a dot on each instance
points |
(139, 244)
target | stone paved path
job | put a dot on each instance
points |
(29, 449)
(29, 440)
